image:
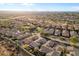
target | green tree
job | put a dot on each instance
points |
(39, 29)
(73, 39)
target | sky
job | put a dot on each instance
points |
(39, 6)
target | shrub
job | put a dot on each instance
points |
(25, 46)
(39, 29)
(73, 39)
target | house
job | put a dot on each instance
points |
(53, 53)
(29, 39)
(57, 32)
(70, 48)
(73, 33)
(34, 44)
(70, 27)
(41, 40)
(49, 43)
(76, 27)
(65, 33)
(58, 26)
(45, 49)
(59, 48)
(49, 31)
(65, 26)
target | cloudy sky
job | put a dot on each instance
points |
(40, 6)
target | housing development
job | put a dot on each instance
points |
(39, 33)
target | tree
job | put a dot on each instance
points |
(73, 40)
(39, 29)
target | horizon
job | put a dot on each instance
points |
(33, 11)
(60, 7)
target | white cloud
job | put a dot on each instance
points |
(39, 1)
(12, 9)
(27, 4)
(75, 8)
